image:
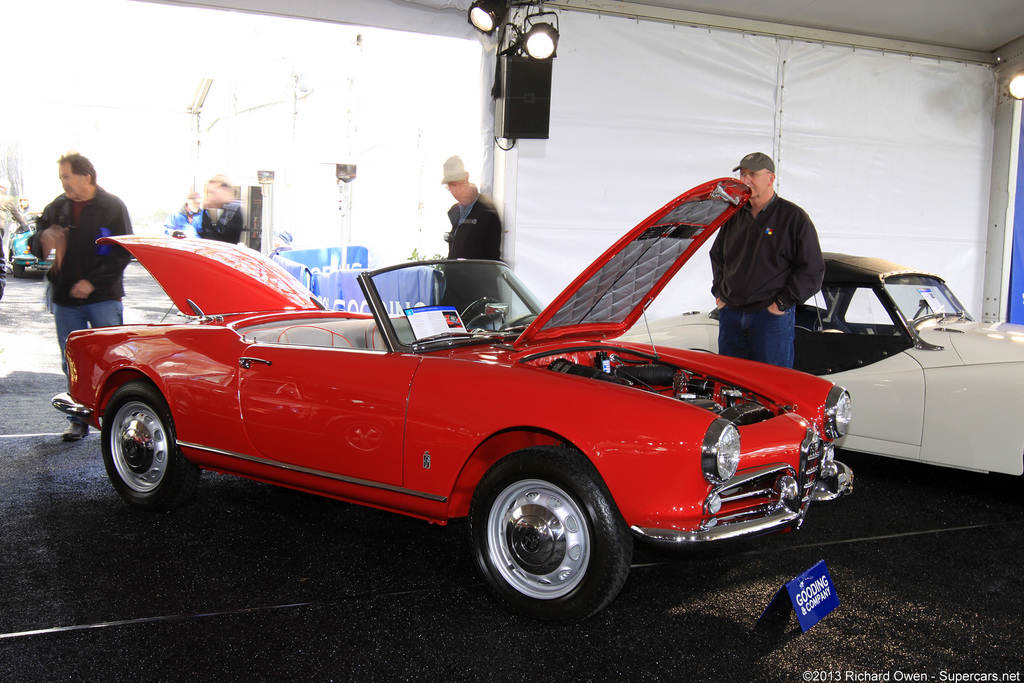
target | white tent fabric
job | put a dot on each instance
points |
(889, 154)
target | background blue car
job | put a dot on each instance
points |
(21, 257)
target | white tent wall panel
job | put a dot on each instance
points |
(889, 154)
(641, 111)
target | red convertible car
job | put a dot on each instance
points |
(460, 396)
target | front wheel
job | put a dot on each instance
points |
(547, 537)
(140, 450)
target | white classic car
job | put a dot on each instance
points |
(928, 382)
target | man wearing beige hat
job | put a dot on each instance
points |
(765, 260)
(476, 228)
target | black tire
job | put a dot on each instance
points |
(140, 450)
(547, 537)
(17, 269)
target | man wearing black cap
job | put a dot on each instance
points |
(765, 260)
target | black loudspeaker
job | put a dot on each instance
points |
(523, 103)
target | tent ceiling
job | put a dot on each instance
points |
(983, 25)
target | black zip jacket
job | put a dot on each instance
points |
(773, 257)
(101, 264)
(479, 236)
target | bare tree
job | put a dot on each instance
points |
(10, 166)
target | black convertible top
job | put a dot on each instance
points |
(863, 270)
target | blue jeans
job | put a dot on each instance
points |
(71, 318)
(760, 335)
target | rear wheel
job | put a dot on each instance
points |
(547, 537)
(140, 450)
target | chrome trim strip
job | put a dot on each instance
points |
(759, 493)
(318, 473)
(777, 520)
(750, 513)
(741, 479)
(65, 404)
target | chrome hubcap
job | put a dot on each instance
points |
(538, 539)
(139, 447)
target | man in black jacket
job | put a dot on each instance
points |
(476, 228)
(86, 279)
(228, 227)
(765, 260)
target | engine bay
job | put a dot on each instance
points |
(647, 373)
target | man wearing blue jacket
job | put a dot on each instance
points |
(188, 221)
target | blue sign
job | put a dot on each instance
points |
(1015, 305)
(812, 595)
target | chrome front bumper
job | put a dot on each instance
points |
(753, 503)
(65, 404)
(784, 508)
(776, 520)
(834, 480)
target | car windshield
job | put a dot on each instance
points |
(918, 297)
(449, 299)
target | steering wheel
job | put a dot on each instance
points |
(485, 321)
(922, 308)
(478, 302)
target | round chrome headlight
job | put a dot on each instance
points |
(720, 452)
(837, 412)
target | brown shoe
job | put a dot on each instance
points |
(75, 431)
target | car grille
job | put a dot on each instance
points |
(811, 450)
(750, 495)
(756, 494)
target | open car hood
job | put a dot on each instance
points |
(218, 278)
(609, 296)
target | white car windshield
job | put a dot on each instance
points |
(918, 297)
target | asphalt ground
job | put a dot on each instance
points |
(253, 582)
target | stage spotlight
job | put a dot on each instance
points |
(540, 41)
(1016, 87)
(485, 15)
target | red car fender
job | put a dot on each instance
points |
(645, 446)
(196, 375)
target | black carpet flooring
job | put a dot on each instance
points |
(254, 583)
(250, 582)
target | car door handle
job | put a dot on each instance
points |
(246, 361)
